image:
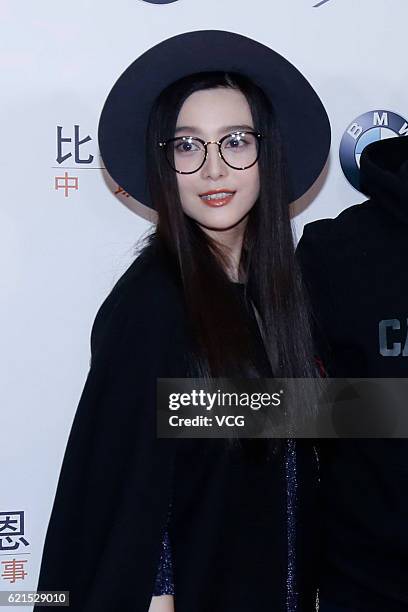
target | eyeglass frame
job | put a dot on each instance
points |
(217, 142)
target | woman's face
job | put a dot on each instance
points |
(213, 113)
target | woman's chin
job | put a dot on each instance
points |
(221, 221)
(220, 225)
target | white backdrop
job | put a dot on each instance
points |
(60, 254)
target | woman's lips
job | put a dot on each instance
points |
(216, 202)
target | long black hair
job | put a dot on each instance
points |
(268, 263)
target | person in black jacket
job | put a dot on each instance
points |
(355, 267)
(214, 292)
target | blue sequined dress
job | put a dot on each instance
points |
(164, 584)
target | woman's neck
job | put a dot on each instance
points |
(230, 241)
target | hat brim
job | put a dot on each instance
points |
(300, 112)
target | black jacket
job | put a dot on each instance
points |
(229, 511)
(356, 268)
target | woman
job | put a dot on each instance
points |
(214, 292)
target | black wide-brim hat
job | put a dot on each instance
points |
(301, 115)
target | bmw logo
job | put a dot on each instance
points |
(371, 126)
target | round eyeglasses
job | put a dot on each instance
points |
(187, 154)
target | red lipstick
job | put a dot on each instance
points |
(217, 199)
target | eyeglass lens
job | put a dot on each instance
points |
(186, 154)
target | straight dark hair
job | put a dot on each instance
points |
(268, 263)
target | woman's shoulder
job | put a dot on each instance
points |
(146, 293)
(149, 272)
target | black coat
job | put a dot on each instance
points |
(229, 510)
(356, 268)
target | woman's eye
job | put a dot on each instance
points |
(186, 147)
(236, 142)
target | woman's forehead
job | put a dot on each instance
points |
(216, 110)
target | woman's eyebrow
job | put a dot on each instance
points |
(226, 128)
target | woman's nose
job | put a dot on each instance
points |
(214, 164)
